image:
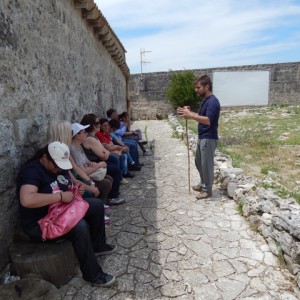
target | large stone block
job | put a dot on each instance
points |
(53, 67)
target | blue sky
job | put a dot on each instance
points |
(205, 34)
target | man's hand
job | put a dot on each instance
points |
(184, 111)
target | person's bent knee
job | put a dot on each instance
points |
(95, 204)
(80, 229)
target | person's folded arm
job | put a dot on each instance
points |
(121, 130)
(97, 148)
(30, 198)
(80, 172)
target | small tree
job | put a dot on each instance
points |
(182, 91)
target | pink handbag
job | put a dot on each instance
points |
(62, 216)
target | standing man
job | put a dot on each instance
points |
(207, 117)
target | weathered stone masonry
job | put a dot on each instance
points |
(148, 99)
(59, 59)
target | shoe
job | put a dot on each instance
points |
(203, 195)
(140, 164)
(107, 219)
(143, 142)
(134, 167)
(107, 249)
(106, 207)
(197, 188)
(124, 181)
(104, 280)
(128, 175)
(147, 153)
(116, 201)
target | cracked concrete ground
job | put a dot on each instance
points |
(172, 246)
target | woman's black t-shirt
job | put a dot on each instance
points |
(34, 173)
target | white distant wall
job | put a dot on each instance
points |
(240, 88)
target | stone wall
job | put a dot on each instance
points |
(53, 65)
(148, 98)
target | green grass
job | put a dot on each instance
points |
(240, 207)
(260, 140)
(265, 170)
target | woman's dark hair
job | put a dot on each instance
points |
(89, 119)
(102, 121)
(114, 124)
(123, 115)
(110, 112)
(204, 80)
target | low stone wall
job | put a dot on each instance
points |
(277, 219)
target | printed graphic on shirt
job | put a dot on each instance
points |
(62, 179)
(55, 187)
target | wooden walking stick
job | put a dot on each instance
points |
(188, 149)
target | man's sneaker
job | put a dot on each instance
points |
(104, 280)
(107, 249)
(107, 219)
(124, 181)
(134, 167)
(203, 195)
(128, 175)
(143, 142)
(106, 207)
(197, 188)
(116, 201)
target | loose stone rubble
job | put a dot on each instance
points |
(173, 246)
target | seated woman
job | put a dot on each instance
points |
(62, 131)
(135, 135)
(126, 160)
(113, 127)
(95, 152)
(131, 144)
(44, 180)
(79, 135)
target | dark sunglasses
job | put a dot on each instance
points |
(97, 123)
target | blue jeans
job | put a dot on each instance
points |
(135, 138)
(124, 166)
(133, 149)
(113, 169)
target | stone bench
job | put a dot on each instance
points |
(53, 262)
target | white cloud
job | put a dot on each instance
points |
(192, 34)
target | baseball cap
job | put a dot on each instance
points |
(60, 153)
(76, 127)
